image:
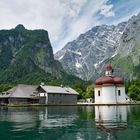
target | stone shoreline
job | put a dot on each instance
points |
(78, 104)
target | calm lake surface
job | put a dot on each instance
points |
(70, 123)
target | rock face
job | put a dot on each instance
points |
(118, 45)
(26, 56)
(82, 56)
(127, 58)
(18, 43)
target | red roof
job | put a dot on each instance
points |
(108, 67)
(118, 80)
(109, 80)
(99, 81)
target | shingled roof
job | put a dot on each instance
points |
(20, 91)
(29, 91)
(57, 89)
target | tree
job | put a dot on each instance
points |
(81, 93)
(5, 87)
(134, 92)
(90, 93)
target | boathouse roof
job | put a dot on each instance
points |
(57, 89)
(20, 91)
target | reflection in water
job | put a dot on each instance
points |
(110, 119)
(37, 123)
(47, 117)
(70, 122)
(23, 118)
(57, 116)
(53, 123)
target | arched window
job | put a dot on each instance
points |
(119, 93)
(98, 92)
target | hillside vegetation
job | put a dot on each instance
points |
(26, 57)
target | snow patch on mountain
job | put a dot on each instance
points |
(60, 57)
(82, 56)
(78, 65)
(114, 54)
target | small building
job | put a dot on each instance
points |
(109, 89)
(55, 95)
(29, 94)
(89, 100)
(20, 94)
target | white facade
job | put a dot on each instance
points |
(122, 97)
(108, 73)
(98, 97)
(109, 94)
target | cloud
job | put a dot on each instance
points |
(106, 10)
(64, 19)
(123, 11)
(81, 17)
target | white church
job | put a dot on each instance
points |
(109, 89)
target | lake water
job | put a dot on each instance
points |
(70, 123)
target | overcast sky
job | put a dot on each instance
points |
(65, 19)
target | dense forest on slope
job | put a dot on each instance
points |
(26, 57)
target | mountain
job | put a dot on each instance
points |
(127, 58)
(82, 56)
(118, 45)
(26, 56)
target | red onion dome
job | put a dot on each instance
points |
(108, 67)
(104, 80)
(118, 80)
(107, 80)
(99, 81)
